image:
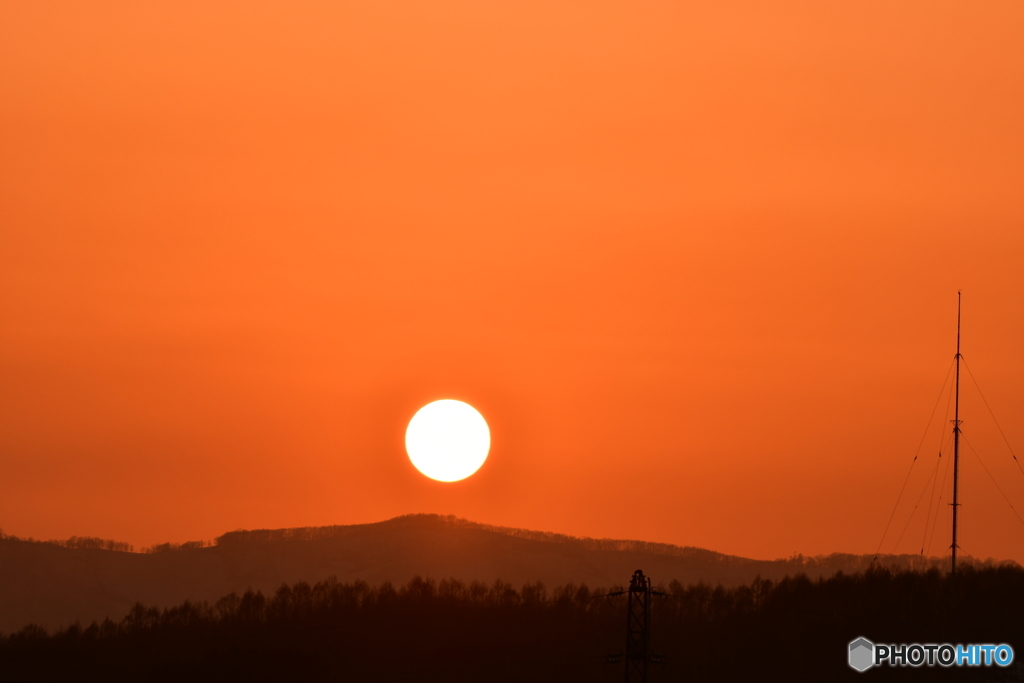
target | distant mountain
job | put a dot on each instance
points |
(52, 585)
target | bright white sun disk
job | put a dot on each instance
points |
(447, 440)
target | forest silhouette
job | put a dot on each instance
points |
(449, 630)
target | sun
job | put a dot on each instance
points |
(447, 440)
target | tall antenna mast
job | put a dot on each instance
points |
(956, 435)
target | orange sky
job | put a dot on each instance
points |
(696, 263)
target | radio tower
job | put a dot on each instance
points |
(638, 628)
(956, 436)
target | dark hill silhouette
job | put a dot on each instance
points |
(53, 585)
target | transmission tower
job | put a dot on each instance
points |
(638, 628)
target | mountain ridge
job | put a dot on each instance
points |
(50, 584)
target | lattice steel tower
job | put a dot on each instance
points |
(638, 628)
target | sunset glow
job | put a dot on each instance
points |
(509, 340)
(241, 244)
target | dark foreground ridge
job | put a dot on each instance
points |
(89, 579)
(791, 630)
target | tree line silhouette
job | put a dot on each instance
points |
(793, 629)
(820, 565)
(79, 542)
(92, 542)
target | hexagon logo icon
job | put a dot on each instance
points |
(862, 654)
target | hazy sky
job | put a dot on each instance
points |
(696, 264)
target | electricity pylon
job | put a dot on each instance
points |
(638, 629)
